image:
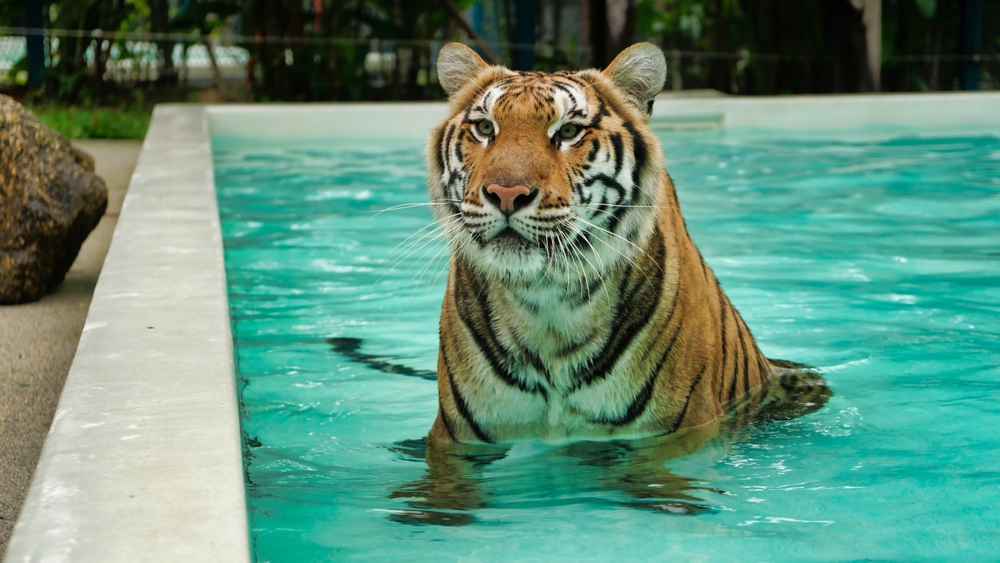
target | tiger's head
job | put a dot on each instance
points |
(536, 175)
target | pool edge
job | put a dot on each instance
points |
(143, 460)
(822, 116)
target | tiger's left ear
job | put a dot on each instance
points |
(640, 72)
(457, 65)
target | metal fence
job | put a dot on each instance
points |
(12, 51)
(135, 61)
(134, 58)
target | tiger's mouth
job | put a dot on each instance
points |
(510, 239)
(523, 244)
(515, 236)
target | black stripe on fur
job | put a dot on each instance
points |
(463, 408)
(744, 334)
(634, 311)
(446, 423)
(438, 156)
(640, 152)
(481, 330)
(687, 400)
(725, 348)
(616, 142)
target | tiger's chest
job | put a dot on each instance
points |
(556, 330)
(553, 336)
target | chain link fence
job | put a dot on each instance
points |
(135, 61)
(12, 51)
(212, 62)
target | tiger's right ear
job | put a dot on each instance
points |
(640, 72)
(457, 65)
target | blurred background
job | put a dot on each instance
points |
(99, 65)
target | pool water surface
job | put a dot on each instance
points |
(875, 260)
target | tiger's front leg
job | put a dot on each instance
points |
(451, 487)
(638, 470)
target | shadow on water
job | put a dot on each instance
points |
(351, 349)
(461, 479)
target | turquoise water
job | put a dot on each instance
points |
(877, 261)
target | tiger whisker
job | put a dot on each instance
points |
(413, 205)
(600, 274)
(433, 224)
(576, 254)
(596, 253)
(566, 263)
(423, 241)
(427, 264)
(623, 205)
(545, 249)
(579, 273)
(579, 255)
(603, 230)
(547, 244)
(437, 260)
(418, 277)
(428, 246)
(404, 252)
(632, 260)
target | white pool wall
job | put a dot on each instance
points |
(823, 116)
(143, 461)
(836, 116)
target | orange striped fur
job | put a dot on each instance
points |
(588, 312)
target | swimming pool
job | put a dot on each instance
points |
(873, 255)
(143, 459)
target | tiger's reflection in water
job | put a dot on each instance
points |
(631, 473)
(455, 484)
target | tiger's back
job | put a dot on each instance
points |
(577, 305)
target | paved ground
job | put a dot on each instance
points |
(38, 341)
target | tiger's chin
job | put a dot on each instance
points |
(508, 256)
(515, 263)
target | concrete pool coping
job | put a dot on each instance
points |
(144, 457)
(143, 461)
(822, 116)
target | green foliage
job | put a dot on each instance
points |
(813, 46)
(76, 122)
(308, 50)
(11, 11)
(325, 56)
(76, 87)
(926, 7)
(203, 16)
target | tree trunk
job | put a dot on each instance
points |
(598, 16)
(871, 19)
(159, 19)
(220, 84)
(612, 29)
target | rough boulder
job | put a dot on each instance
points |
(50, 200)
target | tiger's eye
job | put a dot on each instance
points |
(485, 127)
(569, 130)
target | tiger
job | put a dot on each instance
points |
(577, 306)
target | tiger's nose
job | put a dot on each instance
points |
(508, 199)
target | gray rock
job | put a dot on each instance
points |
(50, 200)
